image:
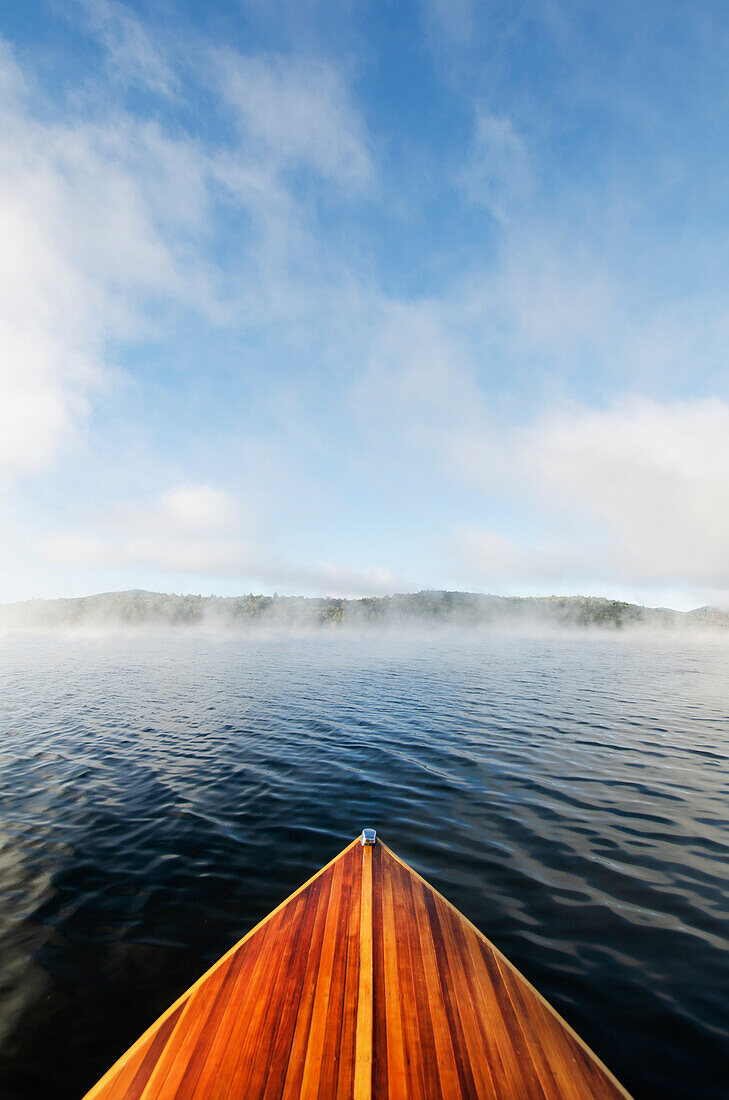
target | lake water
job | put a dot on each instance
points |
(159, 795)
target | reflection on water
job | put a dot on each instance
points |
(159, 796)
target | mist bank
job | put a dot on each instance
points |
(420, 610)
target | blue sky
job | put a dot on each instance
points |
(350, 298)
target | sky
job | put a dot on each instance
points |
(349, 298)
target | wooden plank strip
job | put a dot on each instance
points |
(505, 1065)
(463, 1008)
(228, 1010)
(322, 992)
(359, 972)
(421, 994)
(510, 1038)
(526, 1008)
(282, 979)
(380, 1040)
(238, 1066)
(577, 1054)
(275, 974)
(133, 1075)
(124, 1073)
(471, 1006)
(244, 964)
(144, 1072)
(224, 1035)
(257, 1000)
(447, 1068)
(488, 1017)
(397, 1079)
(300, 1041)
(557, 1044)
(332, 1039)
(168, 1072)
(506, 1077)
(292, 995)
(219, 1011)
(450, 1000)
(593, 1069)
(412, 1038)
(256, 967)
(363, 1047)
(592, 1077)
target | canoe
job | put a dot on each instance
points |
(365, 983)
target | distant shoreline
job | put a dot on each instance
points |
(426, 609)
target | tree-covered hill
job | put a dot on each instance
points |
(426, 609)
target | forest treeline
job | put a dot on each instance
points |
(419, 609)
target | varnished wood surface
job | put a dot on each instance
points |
(365, 983)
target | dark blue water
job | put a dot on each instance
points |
(158, 796)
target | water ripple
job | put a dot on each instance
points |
(158, 796)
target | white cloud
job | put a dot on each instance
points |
(133, 56)
(555, 297)
(105, 216)
(499, 173)
(296, 112)
(417, 386)
(200, 532)
(187, 528)
(95, 220)
(327, 579)
(171, 552)
(497, 559)
(199, 507)
(643, 488)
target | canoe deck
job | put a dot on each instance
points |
(364, 983)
